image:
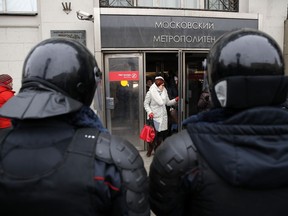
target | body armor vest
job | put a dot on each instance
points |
(64, 189)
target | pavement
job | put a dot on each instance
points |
(147, 162)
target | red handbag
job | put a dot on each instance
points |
(148, 132)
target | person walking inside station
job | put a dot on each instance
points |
(155, 104)
(232, 159)
(58, 159)
(6, 92)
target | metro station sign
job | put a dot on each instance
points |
(139, 31)
(123, 75)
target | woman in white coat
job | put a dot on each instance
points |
(155, 104)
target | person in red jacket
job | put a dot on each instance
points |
(6, 86)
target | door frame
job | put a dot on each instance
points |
(107, 95)
(182, 76)
(184, 86)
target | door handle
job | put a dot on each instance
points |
(110, 103)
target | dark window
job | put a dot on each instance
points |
(219, 5)
(116, 3)
(222, 5)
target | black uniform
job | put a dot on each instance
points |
(232, 159)
(58, 159)
(236, 167)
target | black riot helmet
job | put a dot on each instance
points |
(246, 69)
(59, 76)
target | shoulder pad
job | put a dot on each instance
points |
(114, 149)
(127, 158)
(176, 155)
(103, 148)
(118, 151)
(124, 154)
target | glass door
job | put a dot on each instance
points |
(194, 80)
(124, 96)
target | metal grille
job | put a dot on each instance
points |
(115, 3)
(222, 5)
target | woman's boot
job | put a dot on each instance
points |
(150, 149)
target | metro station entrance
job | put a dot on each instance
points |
(125, 88)
(189, 70)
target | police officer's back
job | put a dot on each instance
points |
(58, 159)
(233, 159)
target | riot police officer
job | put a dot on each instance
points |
(232, 159)
(58, 159)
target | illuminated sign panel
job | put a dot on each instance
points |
(123, 75)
